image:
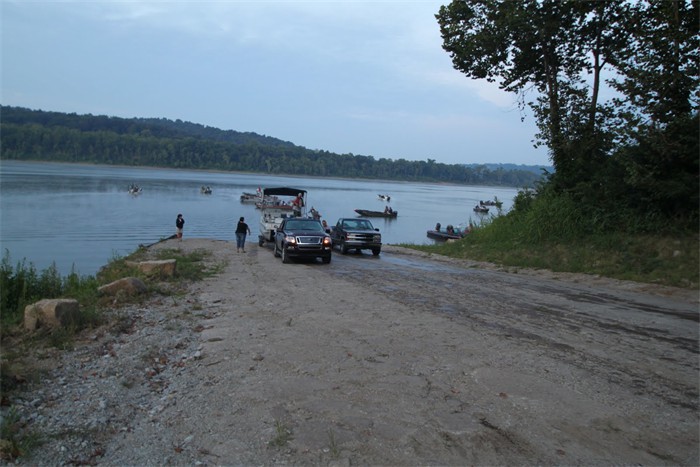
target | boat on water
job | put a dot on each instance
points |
(384, 197)
(135, 189)
(481, 209)
(205, 190)
(272, 214)
(448, 233)
(442, 235)
(492, 202)
(368, 213)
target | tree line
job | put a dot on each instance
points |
(54, 136)
(614, 88)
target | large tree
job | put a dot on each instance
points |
(559, 56)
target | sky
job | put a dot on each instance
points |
(350, 77)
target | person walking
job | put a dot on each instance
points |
(180, 224)
(241, 230)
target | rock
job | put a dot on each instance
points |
(162, 268)
(50, 312)
(127, 285)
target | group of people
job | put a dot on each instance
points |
(388, 210)
(242, 230)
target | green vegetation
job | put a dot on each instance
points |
(22, 285)
(282, 435)
(59, 137)
(15, 438)
(557, 236)
(623, 200)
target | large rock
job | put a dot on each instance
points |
(51, 313)
(162, 268)
(126, 286)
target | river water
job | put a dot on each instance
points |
(81, 216)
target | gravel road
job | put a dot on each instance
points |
(401, 359)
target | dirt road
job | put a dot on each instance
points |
(406, 359)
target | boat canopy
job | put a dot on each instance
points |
(283, 191)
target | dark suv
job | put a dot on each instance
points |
(302, 238)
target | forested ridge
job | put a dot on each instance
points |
(158, 142)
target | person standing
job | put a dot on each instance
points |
(180, 224)
(241, 230)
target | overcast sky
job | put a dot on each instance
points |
(362, 77)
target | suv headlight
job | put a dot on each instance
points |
(326, 241)
(377, 238)
(290, 239)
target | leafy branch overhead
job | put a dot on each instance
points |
(613, 87)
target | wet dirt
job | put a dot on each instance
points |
(414, 359)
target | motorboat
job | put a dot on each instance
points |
(273, 213)
(385, 213)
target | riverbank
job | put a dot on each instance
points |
(403, 359)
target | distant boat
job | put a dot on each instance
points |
(442, 235)
(367, 213)
(448, 233)
(481, 209)
(384, 197)
(205, 190)
(250, 198)
(493, 202)
(135, 189)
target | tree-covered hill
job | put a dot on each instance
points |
(27, 134)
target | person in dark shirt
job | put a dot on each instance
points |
(180, 224)
(241, 230)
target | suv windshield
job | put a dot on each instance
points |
(312, 226)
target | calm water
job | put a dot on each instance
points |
(82, 215)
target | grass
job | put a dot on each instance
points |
(16, 439)
(282, 435)
(670, 260)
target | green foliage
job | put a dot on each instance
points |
(21, 285)
(550, 231)
(54, 136)
(282, 435)
(16, 439)
(628, 163)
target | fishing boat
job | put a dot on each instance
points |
(368, 213)
(494, 202)
(448, 233)
(205, 190)
(442, 235)
(481, 209)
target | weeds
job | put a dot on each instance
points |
(282, 435)
(15, 439)
(333, 445)
(552, 233)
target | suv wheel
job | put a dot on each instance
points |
(343, 248)
(275, 251)
(285, 256)
(326, 259)
(376, 251)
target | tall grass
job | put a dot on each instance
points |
(553, 232)
(22, 284)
